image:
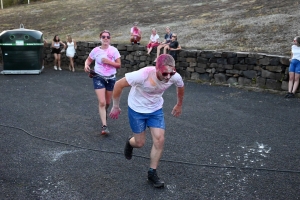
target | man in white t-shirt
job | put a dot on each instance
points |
(145, 104)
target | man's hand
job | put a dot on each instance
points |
(114, 113)
(176, 110)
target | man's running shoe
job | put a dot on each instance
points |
(128, 149)
(154, 179)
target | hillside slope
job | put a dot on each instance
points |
(262, 26)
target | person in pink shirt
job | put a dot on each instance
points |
(135, 34)
(107, 61)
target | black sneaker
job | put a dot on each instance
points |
(154, 179)
(138, 43)
(287, 95)
(292, 95)
(132, 43)
(104, 130)
(128, 149)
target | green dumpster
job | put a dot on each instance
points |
(22, 51)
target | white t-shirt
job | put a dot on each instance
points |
(154, 38)
(296, 52)
(111, 53)
(146, 90)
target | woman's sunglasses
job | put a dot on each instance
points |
(103, 37)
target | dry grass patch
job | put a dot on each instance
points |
(248, 25)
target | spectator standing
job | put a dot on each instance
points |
(294, 69)
(56, 51)
(71, 50)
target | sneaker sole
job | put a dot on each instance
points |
(104, 133)
(156, 186)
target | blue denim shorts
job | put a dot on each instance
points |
(100, 83)
(139, 121)
(295, 66)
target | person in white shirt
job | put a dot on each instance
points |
(166, 42)
(153, 42)
(145, 104)
(294, 69)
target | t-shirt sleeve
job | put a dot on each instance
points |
(116, 54)
(177, 80)
(92, 54)
(134, 78)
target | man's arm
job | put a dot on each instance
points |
(178, 107)
(118, 88)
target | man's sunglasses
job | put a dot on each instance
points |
(166, 74)
(103, 37)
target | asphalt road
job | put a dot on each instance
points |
(229, 143)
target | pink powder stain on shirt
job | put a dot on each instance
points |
(104, 54)
(136, 31)
(150, 79)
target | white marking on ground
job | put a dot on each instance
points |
(56, 155)
(53, 189)
(171, 188)
(247, 156)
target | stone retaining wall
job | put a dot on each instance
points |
(236, 68)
